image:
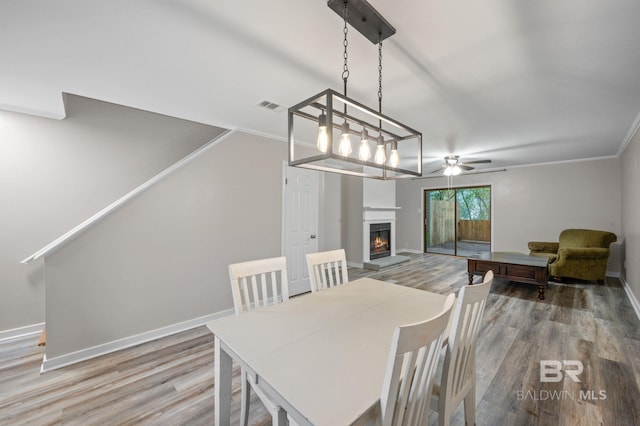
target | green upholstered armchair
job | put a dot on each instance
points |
(579, 253)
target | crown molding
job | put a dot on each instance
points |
(633, 130)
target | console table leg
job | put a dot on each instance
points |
(470, 278)
(541, 292)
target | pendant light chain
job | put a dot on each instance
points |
(380, 157)
(380, 82)
(345, 68)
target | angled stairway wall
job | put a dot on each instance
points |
(161, 259)
(56, 173)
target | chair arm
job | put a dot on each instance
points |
(594, 253)
(543, 247)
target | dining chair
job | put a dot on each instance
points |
(458, 379)
(254, 285)
(327, 269)
(259, 283)
(414, 354)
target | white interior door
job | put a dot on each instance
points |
(300, 227)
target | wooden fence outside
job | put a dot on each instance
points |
(474, 230)
(442, 220)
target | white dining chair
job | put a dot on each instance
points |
(458, 380)
(259, 283)
(414, 354)
(327, 269)
(254, 285)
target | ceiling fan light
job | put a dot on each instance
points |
(455, 170)
(448, 171)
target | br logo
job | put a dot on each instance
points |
(551, 370)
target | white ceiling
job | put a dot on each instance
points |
(516, 81)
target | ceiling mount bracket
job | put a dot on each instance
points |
(364, 18)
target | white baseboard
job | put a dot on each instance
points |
(21, 331)
(632, 297)
(49, 364)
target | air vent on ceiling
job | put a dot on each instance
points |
(271, 105)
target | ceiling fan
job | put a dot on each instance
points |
(453, 166)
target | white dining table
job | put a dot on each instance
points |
(321, 356)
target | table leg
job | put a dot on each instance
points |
(541, 291)
(470, 278)
(222, 389)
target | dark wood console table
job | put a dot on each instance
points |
(512, 266)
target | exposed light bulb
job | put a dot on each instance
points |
(381, 155)
(394, 158)
(365, 152)
(323, 136)
(345, 141)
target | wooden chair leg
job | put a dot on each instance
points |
(470, 407)
(279, 417)
(444, 417)
(244, 399)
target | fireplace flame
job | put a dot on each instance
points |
(379, 243)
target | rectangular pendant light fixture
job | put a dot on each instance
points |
(322, 127)
(315, 128)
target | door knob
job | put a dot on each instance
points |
(312, 236)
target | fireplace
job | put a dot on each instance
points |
(379, 240)
(378, 232)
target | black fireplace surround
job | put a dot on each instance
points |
(379, 240)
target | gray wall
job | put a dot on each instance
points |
(158, 259)
(55, 174)
(330, 220)
(378, 193)
(530, 203)
(630, 213)
(162, 258)
(352, 193)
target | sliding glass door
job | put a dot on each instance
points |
(457, 221)
(440, 229)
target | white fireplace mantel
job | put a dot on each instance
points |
(371, 215)
(379, 213)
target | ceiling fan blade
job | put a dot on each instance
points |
(436, 170)
(477, 162)
(465, 167)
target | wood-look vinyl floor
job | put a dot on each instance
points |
(170, 381)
